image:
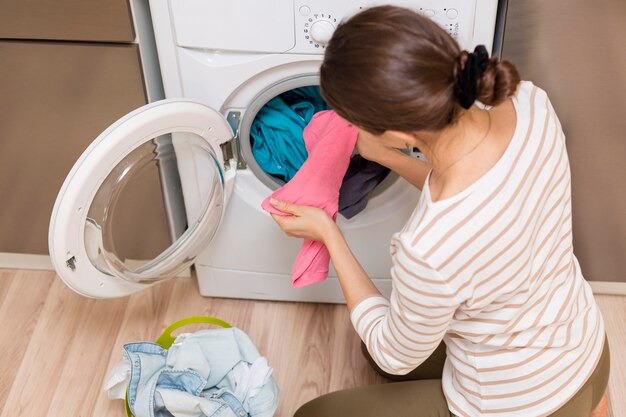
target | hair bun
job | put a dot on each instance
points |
(469, 68)
(498, 82)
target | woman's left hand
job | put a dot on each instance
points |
(305, 221)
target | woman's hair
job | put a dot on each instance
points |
(389, 68)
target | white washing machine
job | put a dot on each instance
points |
(220, 63)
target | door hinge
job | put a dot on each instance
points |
(229, 152)
(71, 263)
(233, 118)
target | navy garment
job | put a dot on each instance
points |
(309, 94)
(276, 132)
(360, 180)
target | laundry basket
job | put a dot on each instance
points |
(166, 339)
(207, 371)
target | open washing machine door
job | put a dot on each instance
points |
(82, 239)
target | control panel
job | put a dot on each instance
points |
(317, 28)
(316, 20)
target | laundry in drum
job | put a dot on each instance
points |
(276, 132)
(279, 149)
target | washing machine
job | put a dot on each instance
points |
(221, 62)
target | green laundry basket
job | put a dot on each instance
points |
(166, 339)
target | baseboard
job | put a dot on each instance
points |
(25, 261)
(609, 288)
(42, 262)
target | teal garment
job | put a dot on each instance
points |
(276, 132)
(311, 94)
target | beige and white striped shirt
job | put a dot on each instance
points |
(491, 271)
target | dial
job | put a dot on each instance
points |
(322, 31)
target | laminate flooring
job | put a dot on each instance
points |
(58, 346)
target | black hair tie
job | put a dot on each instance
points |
(466, 87)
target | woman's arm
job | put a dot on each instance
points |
(355, 284)
(400, 333)
(410, 168)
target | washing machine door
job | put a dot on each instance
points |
(85, 219)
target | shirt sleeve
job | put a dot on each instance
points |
(400, 333)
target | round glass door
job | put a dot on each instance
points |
(143, 200)
(127, 226)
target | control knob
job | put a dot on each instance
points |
(322, 31)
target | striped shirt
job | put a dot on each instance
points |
(491, 272)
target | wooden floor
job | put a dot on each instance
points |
(57, 346)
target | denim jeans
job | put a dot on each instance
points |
(196, 377)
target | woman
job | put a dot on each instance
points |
(488, 300)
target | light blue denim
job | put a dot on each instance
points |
(199, 364)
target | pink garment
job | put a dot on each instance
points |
(329, 141)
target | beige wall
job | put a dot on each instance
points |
(574, 49)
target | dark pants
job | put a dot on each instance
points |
(419, 393)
